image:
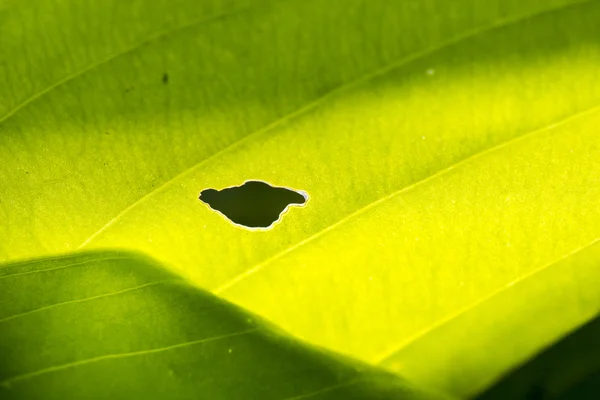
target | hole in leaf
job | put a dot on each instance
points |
(254, 204)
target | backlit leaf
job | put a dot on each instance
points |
(449, 150)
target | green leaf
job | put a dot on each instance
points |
(111, 325)
(490, 336)
(568, 369)
(449, 150)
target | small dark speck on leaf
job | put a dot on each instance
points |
(254, 204)
(165, 78)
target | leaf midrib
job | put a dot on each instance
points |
(313, 105)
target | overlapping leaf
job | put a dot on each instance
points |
(110, 325)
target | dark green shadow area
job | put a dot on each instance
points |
(111, 325)
(568, 370)
(254, 204)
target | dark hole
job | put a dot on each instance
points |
(165, 78)
(255, 204)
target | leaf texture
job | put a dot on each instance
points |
(114, 325)
(448, 147)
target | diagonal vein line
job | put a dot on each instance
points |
(131, 49)
(521, 280)
(62, 266)
(501, 23)
(24, 263)
(9, 381)
(398, 192)
(86, 299)
(326, 389)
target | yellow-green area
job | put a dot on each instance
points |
(450, 150)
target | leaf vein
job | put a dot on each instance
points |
(306, 109)
(405, 189)
(521, 280)
(9, 381)
(86, 299)
(116, 55)
(330, 388)
(62, 266)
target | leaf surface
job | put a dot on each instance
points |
(110, 325)
(448, 148)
